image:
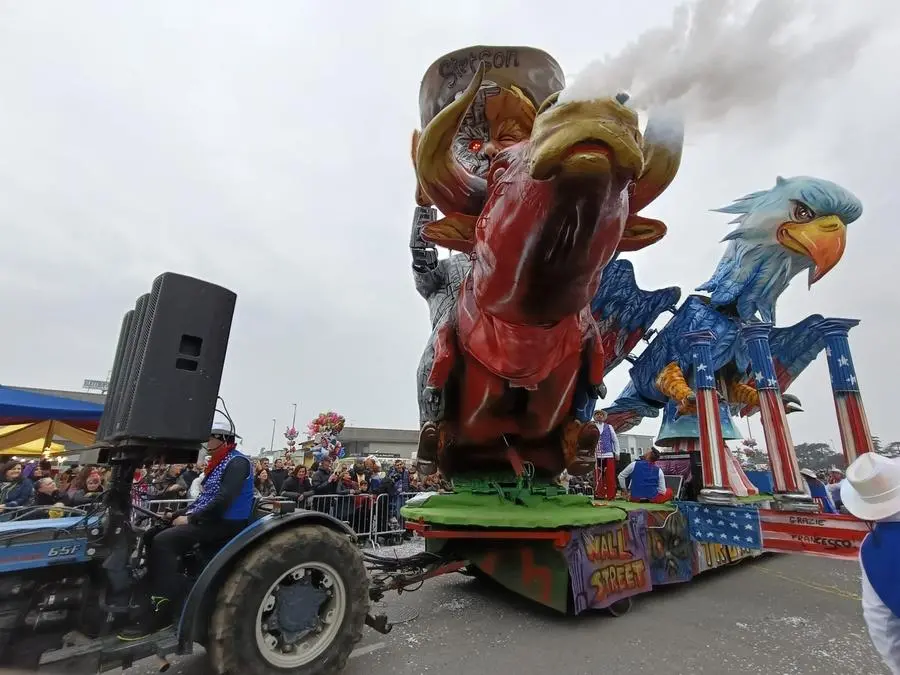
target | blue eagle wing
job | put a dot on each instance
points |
(625, 312)
(793, 349)
(641, 398)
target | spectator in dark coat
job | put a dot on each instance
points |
(279, 475)
(15, 489)
(324, 480)
(297, 486)
(263, 485)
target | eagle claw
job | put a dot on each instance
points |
(599, 390)
(688, 405)
(791, 404)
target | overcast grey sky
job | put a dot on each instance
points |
(264, 146)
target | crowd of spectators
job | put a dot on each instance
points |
(361, 482)
(348, 489)
(24, 484)
(345, 488)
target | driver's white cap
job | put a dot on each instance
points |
(222, 429)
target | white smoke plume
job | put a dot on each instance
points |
(720, 57)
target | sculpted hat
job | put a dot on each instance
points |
(809, 473)
(533, 71)
(871, 490)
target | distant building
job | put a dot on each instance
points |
(363, 441)
(635, 444)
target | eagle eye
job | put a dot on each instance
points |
(801, 213)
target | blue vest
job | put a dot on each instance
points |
(819, 492)
(644, 480)
(880, 556)
(241, 507)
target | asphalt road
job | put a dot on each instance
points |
(779, 615)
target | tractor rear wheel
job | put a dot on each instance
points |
(297, 603)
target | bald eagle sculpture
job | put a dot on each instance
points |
(798, 225)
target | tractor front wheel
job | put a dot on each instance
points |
(297, 603)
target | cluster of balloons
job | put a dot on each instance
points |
(330, 423)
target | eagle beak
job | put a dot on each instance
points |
(822, 240)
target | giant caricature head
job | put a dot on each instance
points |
(542, 193)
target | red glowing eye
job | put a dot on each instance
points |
(475, 146)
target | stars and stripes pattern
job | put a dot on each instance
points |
(712, 445)
(726, 525)
(823, 535)
(829, 536)
(853, 424)
(757, 339)
(856, 437)
(782, 461)
(840, 364)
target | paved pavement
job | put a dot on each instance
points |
(779, 615)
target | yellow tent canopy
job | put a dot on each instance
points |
(18, 439)
(32, 448)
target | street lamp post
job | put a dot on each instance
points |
(272, 442)
(294, 419)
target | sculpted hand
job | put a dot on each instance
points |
(434, 403)
(599, 390)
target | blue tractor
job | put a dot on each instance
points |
(288, 594)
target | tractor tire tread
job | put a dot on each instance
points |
(228, 646)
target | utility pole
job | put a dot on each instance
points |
(272, 442)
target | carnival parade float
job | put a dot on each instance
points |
(535, 196)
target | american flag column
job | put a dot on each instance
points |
(712, 445)
(851, 415)
(788, 483)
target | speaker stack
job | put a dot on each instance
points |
(168, 366)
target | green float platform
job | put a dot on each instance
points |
(527, 511)
(518, 535)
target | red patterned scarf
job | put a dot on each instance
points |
(217, 456)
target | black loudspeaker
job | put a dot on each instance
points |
(168, 364)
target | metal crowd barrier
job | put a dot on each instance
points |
(157, 506)
(376, 519)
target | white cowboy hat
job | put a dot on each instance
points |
(808, 473)
(871, 490)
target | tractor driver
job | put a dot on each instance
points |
(221, 511)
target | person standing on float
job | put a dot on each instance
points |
(871, 492)
(605, 459)
(818, 491)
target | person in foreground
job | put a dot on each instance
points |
(220, 512)
(648, 484)
(871, 492)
